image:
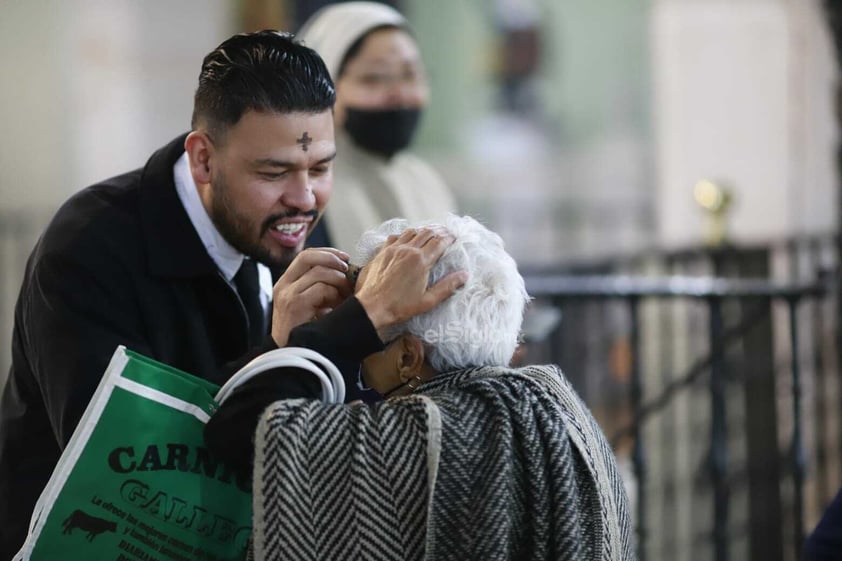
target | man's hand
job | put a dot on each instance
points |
(312, 286)
(392, 287)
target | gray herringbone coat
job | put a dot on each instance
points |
(486, 464)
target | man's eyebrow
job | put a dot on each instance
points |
(327, 159)
(272, 162)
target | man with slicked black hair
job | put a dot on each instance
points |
(195, 260)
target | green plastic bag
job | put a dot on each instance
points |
(136, 483)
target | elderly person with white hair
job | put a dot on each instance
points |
(467, 458)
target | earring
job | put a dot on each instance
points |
(417, 381)
(407, 384)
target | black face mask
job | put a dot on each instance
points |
(382, 132)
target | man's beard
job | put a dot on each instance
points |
(238, 230)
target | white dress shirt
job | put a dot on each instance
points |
(226, 257)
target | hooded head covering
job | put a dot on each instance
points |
(334, 29)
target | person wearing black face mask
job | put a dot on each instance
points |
(381, 93)
(382, 131)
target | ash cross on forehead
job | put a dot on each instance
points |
(304, 141)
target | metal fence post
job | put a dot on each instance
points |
(719, 432)
(639, 451)
(797, 447)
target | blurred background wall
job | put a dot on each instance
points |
(92, 87)
(575, 128)
(744, 96)
(88, 89)
(540, 118)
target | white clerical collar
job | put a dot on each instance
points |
(226, 257)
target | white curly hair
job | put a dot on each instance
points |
(480, 324)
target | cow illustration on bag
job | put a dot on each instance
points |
(91, 524)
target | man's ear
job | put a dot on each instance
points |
(411, 357)
(199, 150)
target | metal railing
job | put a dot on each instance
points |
(733, 308)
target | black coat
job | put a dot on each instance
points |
(120, 264)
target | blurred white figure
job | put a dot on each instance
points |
(381, 91)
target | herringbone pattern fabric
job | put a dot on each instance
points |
(485, 464)
(341, 482)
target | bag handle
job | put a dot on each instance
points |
(333, 385)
